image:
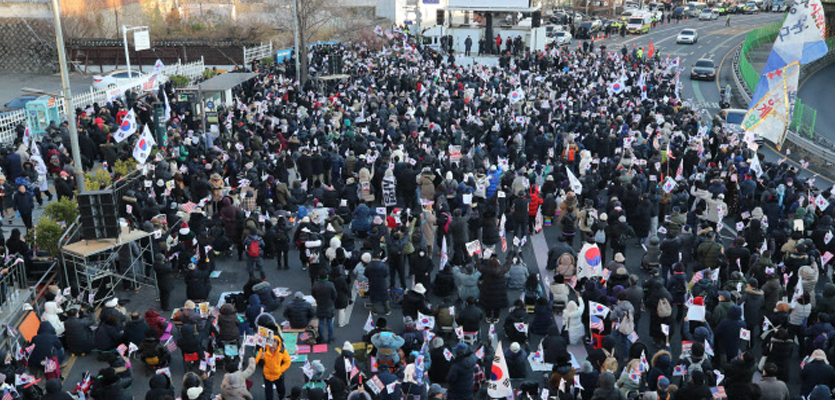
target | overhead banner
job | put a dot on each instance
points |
(141, 40)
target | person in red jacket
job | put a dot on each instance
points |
(533, 207)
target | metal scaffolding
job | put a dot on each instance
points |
(92, 265)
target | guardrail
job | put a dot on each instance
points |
(258, 52)
(9, 121)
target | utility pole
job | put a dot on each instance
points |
(296, 40)
(68, 106)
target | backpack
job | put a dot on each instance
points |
(281, 236)
(663, 308)
(253, 249)
(417, 235)
(310, 335)
(627, 324)
(600, 236)
(679, 287)
(55, 160)
(693, 367)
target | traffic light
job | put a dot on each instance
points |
(439, 17)
(536, 19)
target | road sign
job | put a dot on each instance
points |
(210, 105)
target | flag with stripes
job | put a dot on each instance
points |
(189, 207)
(697, 277)
(718, 392)
(596, 323)
(7, 394)
(171, 345)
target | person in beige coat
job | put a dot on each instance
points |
(426, 183)
(428, 227)
(234, 382)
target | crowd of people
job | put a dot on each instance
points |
(419, 182)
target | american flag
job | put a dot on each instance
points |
(171, 345)
(697, 277)
(596, 323)
(718, 392)
(189, 207)
(7, 394)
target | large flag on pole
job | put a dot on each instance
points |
(770, 117)
(800, 39)
(499, 386)
(167, 106)
(143, 146)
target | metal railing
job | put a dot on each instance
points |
(260, 52)
(12, 283)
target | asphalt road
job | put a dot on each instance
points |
(815, 92)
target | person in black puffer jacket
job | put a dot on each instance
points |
(299, 312)
(268, 298)
(47, 345)
(108, 386)
(198, 285)
(54, 392)
(78, 333)
(161, 388)
(227, 324)
(444, 284)
(460, 376)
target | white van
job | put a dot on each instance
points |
(639, 23)
(695, 8)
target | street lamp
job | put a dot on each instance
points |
(67, 95)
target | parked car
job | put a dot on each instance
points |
(689, 36)
(751, 8)
(703, 69)
(115, 78)
(562, 38)
(678, 12)
(708, 14)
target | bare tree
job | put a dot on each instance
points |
(313, 17)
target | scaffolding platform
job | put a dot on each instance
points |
(93, 266)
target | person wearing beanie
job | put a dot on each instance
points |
(325, 294)
(460, 376)
(233, 386)
(276, 362)
(107, 385)
(298, 313)
(343, 365)
(517, 361)
(315, 387)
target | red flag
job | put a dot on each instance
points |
(651, 50)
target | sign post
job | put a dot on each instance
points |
(141, 41)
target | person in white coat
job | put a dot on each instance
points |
(52, 314)
(573, 317)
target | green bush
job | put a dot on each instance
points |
(64, 210)
(47, 235)
(209, 73)
(179, 81)
(98, 180)
(124, 167)
(266, 61)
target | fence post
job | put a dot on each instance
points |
(798, 112)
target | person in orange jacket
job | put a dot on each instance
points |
(533, 208)
(276, 362)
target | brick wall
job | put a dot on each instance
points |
(28, 45)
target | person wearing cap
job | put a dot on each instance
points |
(276, 361)
(720, 312)
(517, 361)
(64, 187)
